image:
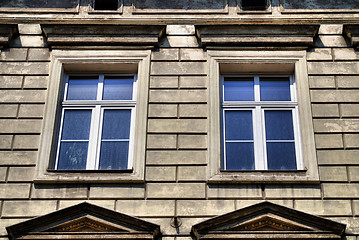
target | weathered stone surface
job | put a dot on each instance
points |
(11, 81)
(204, 207)
(164, 82)
(353, 172)
(117, 191)
(192, 141)
(21, 174)
(178, 68)
(146, 208)
(180, 42)
(318, 5)
(109, 204)
(325, 110)
(5, 222)
(331, 29)
(328, 68)
(14, 54)
(162, 110)
(36, 82)
(26, 141)
(352, 223)
(334, 95)
(320, 54)
(31, 111)
(193, 110)
(191, 173)
(3, 172)
(29, 29)
(345, 54)
(8, 110)
(328, 141)
(20, 126)
(5, 141)
(176, 157)
(180, 30)
(21, 96)
(330, 41)
(26, 208)
(356, 207)
(29, 41)
(349, 110)
(348, 81)
(18, 157)
(165, 54)
(292, 191)
(176, 125)
(167, 141)
(338, 157)
(160, 173)
(14, 190)
(39, 54)
(324, 207)
(351, 140)
(192, 82)
(190, 54)
(341, 190)
(328, 173)
(59, 191)
(176, 190)
(336, 125)
(321, 82)
(246, 203)
(227, 191)
(178, 96)
(21, 68)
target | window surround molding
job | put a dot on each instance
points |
(93, 61)
(260, 62)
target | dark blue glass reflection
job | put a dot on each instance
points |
(119, 88)
(239, 156)
(114, 155)
(76, 125)
(238, 89)
(281, 156)
(72, 156)
(274, 89)
(80, 88)
(279, 125)
(116, 124)
(239, 125)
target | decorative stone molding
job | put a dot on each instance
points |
(84, 221)
(80, 36)
(352, 31)
(262, 35)
(267, 221)
(6, 32)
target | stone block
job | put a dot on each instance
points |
(8, 110)
(59, 191)
(5, 141)
(330, 29)
(20, 126)
(324, 207)
(335, 173)
(26, 142)
(336, 125)
(27, 208)
(320, 54)
(199, 208)
(352, 224)
(328, 141)
(178, 68)
(176, 125)
(21, 96)
(21, 174)
(192, 82)
(340, 190)
(29, 29)
(176, 157)
(39, 54)
(29, 41)
(192, 173)
(160, 173)
(3, 173)
(5, 222)
(345, 54)
(162, 110)
(334, 96)
(24, 68)
(191, 54)
(325, 110)
(14, 54)
(180, 30)
(178, 96)
(164, 82)
(36, 82)
(31, 110)
(10, 82)
(117, 191)
(109, 204)
(167, 141)
(18, 158)
(329, 68)
(338, 157)
(146, 208)
(322, 82)
(165, 54)
(246, 203)
(330, 41)
(349, 110)
(176, 190)
(179, 41)
(351, 140)
(193, 110)
(192, 141)
(348, 81)
(292, 191)
(353, 172)
(14, 190)
(235, 191)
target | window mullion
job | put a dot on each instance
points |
(258, 140)
(91, 155)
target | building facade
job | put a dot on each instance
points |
(230, 119)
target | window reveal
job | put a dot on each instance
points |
(259, 120)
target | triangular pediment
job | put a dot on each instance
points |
(267, 221)
(83, 220)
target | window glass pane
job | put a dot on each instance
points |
(72, 156)
(238, 89)
(239, 156)
(114, 155)
(82, 88)
(281, 156)
(76, 124)
(274, 89)
(279, 125)
(238, 125)
(116, 124)
(117, 88)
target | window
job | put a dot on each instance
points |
(254, 4)
(96, 120)
(106, 5)
(259, 121)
